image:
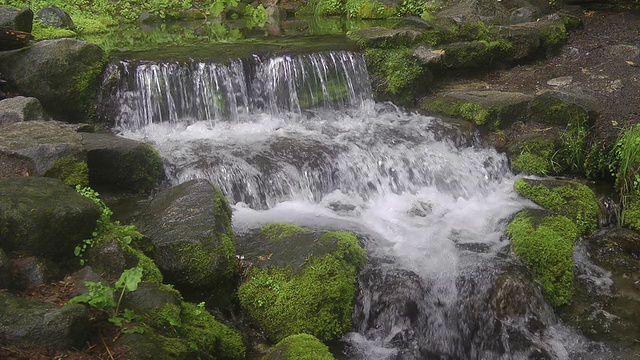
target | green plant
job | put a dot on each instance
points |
(256, 16)
(101, 297)
(574, 139)
(625, 166)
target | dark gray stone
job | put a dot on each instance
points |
(20, 108)
(44, 217)
(13, 18)
(33, 324)
(521, 15)
(30, 272)
(5, 271)
(120, 164)
(56, 17)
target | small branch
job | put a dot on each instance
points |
(106, 347)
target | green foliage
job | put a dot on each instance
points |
(574, 139)
(468, 110)
(597, 161)
(43, 32)
(536, 156)
(299, 347)
(327, 7)
(256, 16)
(546, 246)
(281, 231)
(368, 9)
(625, 166)
(571, 199)
(399, 71)
(317, 299)
(70, 170)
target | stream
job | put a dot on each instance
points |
(299, 139)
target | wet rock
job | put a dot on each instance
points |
(19, 108)
(488, 108)
(383, 37)
(414, 22)
(13, 18)
(427, 56)
(149, 296)
(522, 15)
(531, 40)
(31, 272)
(471, 11)
(119, 164)
(33, 324)
(5, 270)
(112, 256)
(43, 217)
(190, 228)
(64, 74)
(563, 107)
(86, 274)
(54, 16)
(42, 148)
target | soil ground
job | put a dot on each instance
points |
(611, 75)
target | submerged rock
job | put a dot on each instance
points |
(33, 324)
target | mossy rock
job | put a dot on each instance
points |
(301, 281)
(544, 242)
(190, 228)
(535, 155)
(380, 37)
(119, 164)
(631, 212)
(489, 109)
(44, 217)
(299, 347)
(111, 256)
(396, 74)
(563, 108)
(563, 197)
(477, 53)
(534, 40)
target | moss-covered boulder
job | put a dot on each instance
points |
(300, 281)
(110, 256)
(535, 154)
(43, 148)
(299, 347)
(20, 108)
(544, 242)
(190, 228)
(64, 74)
(477, 53)
(29, 323)
(43, 217)
(563, 197)
(487, 108)
(380, 37)
(534, 40)
(119, 164)
(564, 108)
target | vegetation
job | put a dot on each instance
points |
(545, 244)
(316, 299)
(71, 171)
(399, 72)
(536, 157)
(299, 347)
(625, 168)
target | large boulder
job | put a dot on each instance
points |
(119, 164)
(470, 12)
(54, 16)
(33, 324)
(43, 217)
(43, 148)
(300, 281)
(64, 74)
(13, 18)
(190, 228)
(20, 108)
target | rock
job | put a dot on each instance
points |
(522, 15)
(623, 52)
(471, 11)
(44, 217)
(427, 56)
(563, 108)
(383, 37)
(190, 228)
(149, 296)
(148, 18)
(19, 108)
(295, 346)
(30, 272)
(64, 74)
(475, 54)
(299, 281)
(84, 275)
(13, 18)
(487, 108)
(119, 164)
(33, 324)
(5, 270)
(110, 257)
(560, 81)
(532, 40)
(42, 148)
(54, 16)
(414, 22)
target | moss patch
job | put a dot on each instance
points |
(632, 212)
(281, 231)
(70, 170)
(316, 299)
(535, 156)
(571, 199)
(399, 74)
(299, 347)
(545, 244)
(470, 111)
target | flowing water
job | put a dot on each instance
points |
(299, 139)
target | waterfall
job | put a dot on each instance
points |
(299, 139)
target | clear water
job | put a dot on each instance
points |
(432, 202)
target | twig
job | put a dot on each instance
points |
(106, 347)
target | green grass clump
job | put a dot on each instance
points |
(625, 167)
(299, 347)
(317, 299)
(571, 199)
(546, 246)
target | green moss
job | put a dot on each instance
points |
(43, 32)
(86, 88)
(530, 164)
(535, 157)
(546, 246)
(571, 199)
(399, 72)
(299, 347)
(554, 37)
(631, 215)
(317, 299)
(87, 26)
(150, 271)
(280, 231)
(368, 9)
(468, 110)
(204, 333)
(70, 170)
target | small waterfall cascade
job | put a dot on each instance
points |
(174, 93)
(299, 139)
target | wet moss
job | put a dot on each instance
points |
(281, 231)
(553, 37)
(87, 83)
(468, 110)
(399, 73)
(534, 156)
(545, 244)
(631, 216)
(70, 170)
(299, 347)
(316, 299)
(571, 199)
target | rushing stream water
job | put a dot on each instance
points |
(299, 139)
